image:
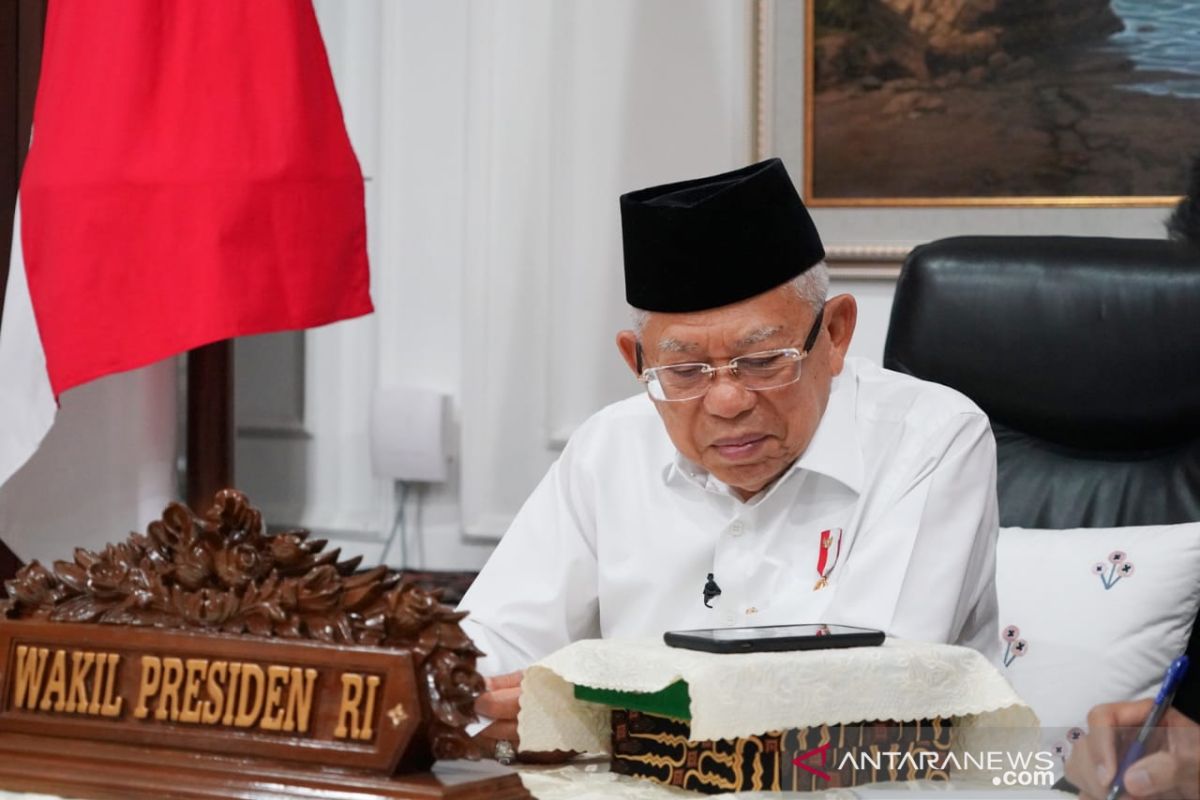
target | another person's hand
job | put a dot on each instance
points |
(1171, 771)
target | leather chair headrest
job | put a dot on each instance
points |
(1087, 342)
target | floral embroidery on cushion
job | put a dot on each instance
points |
(1118, 566)
(1062, 750)
(1015, 646)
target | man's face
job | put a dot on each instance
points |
(746, 438)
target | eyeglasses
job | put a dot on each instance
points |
(757, 372)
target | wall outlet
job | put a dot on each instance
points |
(409, 434)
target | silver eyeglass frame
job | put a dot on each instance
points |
(649, 374)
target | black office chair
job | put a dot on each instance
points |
(1085, 354)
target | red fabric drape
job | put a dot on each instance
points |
(190, 180)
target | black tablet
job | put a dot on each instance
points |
(774, 637)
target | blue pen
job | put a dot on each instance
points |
(1162, 702)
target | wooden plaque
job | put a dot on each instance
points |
(208, 659)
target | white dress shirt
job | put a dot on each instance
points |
(618, 538)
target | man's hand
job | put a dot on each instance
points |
(501, 701)
(1172, 771)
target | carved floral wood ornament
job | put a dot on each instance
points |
(223, 573)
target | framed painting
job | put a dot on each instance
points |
(995, 102)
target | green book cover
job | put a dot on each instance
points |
(672, 701)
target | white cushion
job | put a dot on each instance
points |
(1093, 615)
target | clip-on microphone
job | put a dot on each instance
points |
(711, 590)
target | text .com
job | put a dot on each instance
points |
(1020, 769)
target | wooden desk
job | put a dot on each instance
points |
(589, 779)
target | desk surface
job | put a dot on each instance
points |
(589, 779)
(586, 779)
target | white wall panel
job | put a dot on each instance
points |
(107, 467)
(572, 104)
(507, 231)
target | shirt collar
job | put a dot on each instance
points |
(834, 450)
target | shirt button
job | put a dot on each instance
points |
(736, 528)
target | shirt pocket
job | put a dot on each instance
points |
(787, 592)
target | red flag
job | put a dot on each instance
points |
(190, 180)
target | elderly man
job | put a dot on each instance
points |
(763, 477)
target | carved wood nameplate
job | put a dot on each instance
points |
(299, 701)
(207, 635)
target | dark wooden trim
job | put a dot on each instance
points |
(209, 423)
(22, 25)
(9, 39)
(9, 564)
(32, 30)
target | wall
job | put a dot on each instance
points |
(601, 98)
(107, 467)
(401, 74)
(496, 138)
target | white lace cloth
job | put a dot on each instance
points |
(747, 694)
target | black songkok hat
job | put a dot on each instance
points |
(713, 241)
